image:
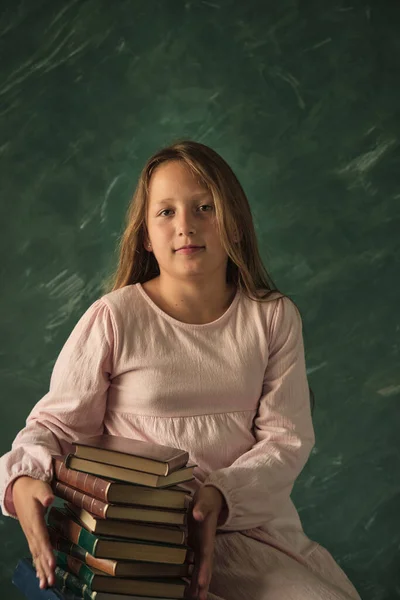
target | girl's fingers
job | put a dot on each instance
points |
(203, 578)
(193, 588)
(44, 576)
(40, 546)
(31, 499)
(202, 573)
(202, 540)
(51, 561)
(40, 574)
(49, 573)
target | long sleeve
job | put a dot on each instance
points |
(73, 407)
(260, 482)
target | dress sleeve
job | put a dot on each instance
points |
(260, 481)
(74, 406)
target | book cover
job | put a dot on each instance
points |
(172, 534)
(114, 548)
(118, 511)
(114, 492)
(98, 581)
(118, 568)
(131, 453)
(72, 582)
(24, 578)
(129, 475)
(65, 546)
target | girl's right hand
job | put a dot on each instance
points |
(31, 499)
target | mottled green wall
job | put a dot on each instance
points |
(302, 99)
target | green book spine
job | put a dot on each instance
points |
(67, 547)
(68, 580)
(61, 521)
(84, 575)
(61, 559)
(88, 541)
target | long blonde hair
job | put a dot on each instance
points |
(245, 268)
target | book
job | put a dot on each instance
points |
(24, 578)
(129, 475)
(101, 582)
(108, 547)
(114, 492)
(171, 534)
(68, 581)
(117, 568)
(118, 511)
(131, 454)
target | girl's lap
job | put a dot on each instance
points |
(247, 569)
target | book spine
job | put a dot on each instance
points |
(177, 463)
(80, 570)
(80, 499)
(61, 544)
(90, 484)
(66, 579)
(72, 531)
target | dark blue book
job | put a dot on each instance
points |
(24, 578)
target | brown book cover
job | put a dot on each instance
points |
(93, 505)
(118, 511)
(130, 475)
(131, 454)
(114, 492)
(167, 534)
(118, 568)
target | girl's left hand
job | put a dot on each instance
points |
(203, 517)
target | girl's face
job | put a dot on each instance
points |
(181, 211)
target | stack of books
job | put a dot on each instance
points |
(122, 532)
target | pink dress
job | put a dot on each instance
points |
(232, 392)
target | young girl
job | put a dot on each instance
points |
(192, 348)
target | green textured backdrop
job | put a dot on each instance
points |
(302, 99)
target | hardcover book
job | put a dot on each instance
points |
(118, 511)
(114, 492)
(107, 547)
(69, 581)
(98, 581)
(117, 568)
(131, 454)
(129, 475)
(24, 578)
(172, 534)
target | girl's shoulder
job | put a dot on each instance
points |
(119, 295)
(119, 302)
(266, 296)
(275, 306)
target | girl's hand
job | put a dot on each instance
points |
(207, 504)
(31, 499)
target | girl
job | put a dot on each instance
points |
(193, 348)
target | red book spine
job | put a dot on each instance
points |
(92, 505)
(90, 484)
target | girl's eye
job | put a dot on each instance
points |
(168, 209)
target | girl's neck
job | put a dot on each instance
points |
(190, 305)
